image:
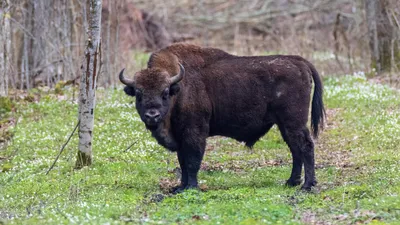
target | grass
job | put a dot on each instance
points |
(357, 159)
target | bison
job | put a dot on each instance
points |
(188, 93)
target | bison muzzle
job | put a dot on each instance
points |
(188, 93)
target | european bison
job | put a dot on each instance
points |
(189, 93)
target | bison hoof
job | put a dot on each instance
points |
(293, 182)
(180, 189)
(177, 189)
(308, 185)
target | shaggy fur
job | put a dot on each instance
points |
(232, 96)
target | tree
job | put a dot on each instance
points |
(89, 75)
(381, 34)
(5, 46)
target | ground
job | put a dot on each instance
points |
(357, 160)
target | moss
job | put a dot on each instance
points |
(6, 167)
(59, 87)
(5, 106)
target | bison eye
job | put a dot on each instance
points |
(138, 95)
(165, 94)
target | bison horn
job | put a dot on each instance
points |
(175, 79)
(125, 80)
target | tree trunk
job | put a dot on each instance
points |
(380, 32)
(90, 70)
(2, 52)
(5, 47)
(8, 53)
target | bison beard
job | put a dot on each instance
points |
(189, 93)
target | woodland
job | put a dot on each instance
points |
(73, 148)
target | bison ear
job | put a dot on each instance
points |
(129, 90)
(174, 89)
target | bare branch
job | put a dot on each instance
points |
(62, 148)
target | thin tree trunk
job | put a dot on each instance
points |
(21, 81)
(26, 62)
(5, 47)
(15, 37)
(27, 50)
(87, 95)
(108, 53)
(116, 46)
(2, 52)
(7, 52)
(380, 34)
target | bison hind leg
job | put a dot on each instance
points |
(302, 149)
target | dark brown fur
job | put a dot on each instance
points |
(233, 96)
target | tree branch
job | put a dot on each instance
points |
(62, 148)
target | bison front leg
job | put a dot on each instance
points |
(190, 156)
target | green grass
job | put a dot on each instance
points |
(357, 158)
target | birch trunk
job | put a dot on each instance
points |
(90, 71)
(2, 52)
(5, 47)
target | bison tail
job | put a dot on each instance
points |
(317, 105)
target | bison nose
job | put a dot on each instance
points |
(152, 114)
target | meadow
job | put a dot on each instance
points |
(357, 161)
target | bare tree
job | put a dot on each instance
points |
(47, 42)
(2, 55)
(5, 46)
(381, 34)
(89, 75)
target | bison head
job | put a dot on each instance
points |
(153, 88)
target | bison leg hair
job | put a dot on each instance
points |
(297, 161)
(295, 177)
(184, 177)
(302, 149)
(308, 159)
(190, 156)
